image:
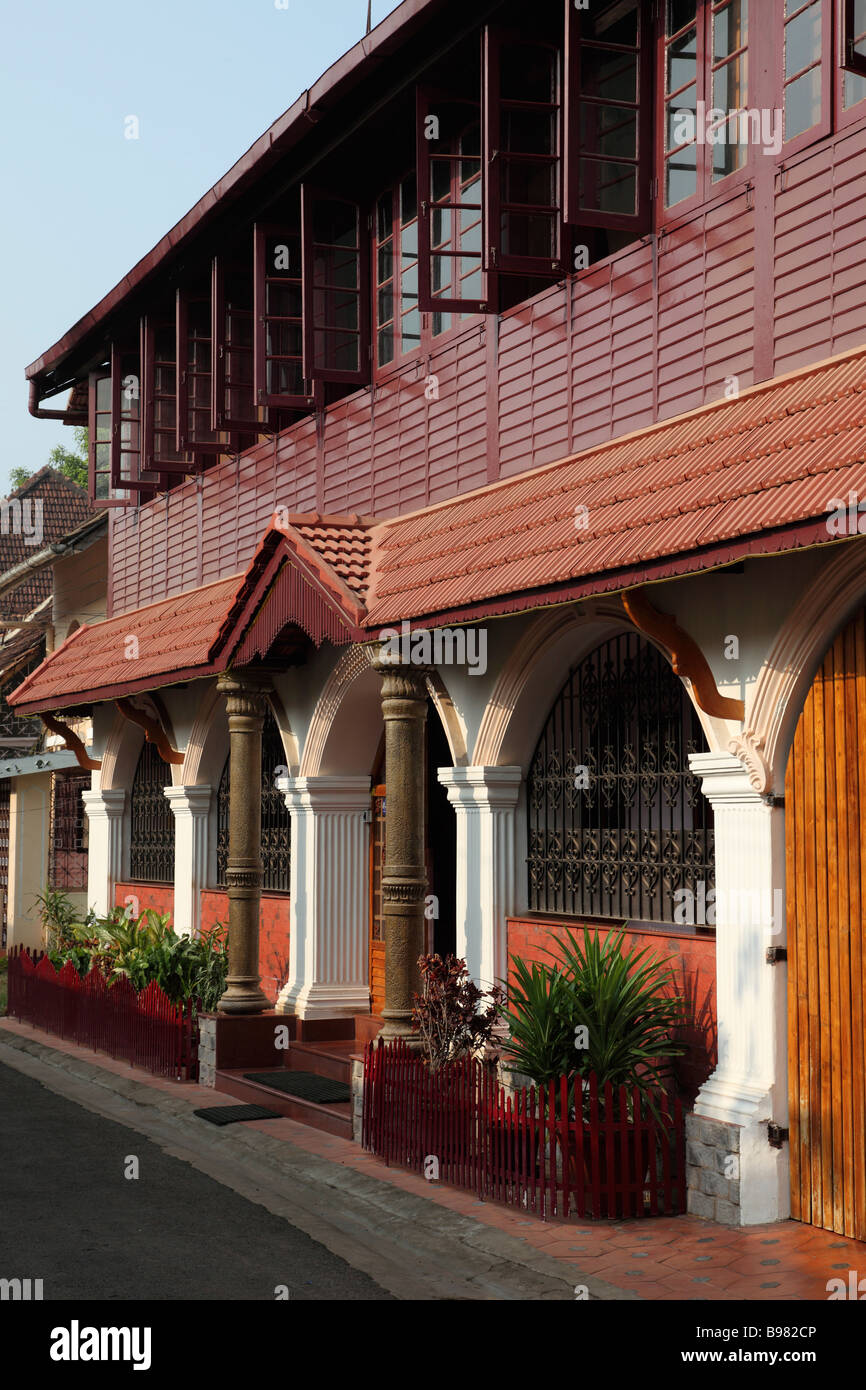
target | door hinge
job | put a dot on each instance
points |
(775, 954)
(776, 1135)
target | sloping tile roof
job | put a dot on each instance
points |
(64, 507)
(773, 458)
(290, 583)
(171, 638)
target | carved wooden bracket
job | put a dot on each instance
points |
(153, 730)
(72, 742)
(687, 658)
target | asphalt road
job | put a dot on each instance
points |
(70, 1217)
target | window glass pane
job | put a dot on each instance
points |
(528, 132)
(728, 153)
(729, 84)
(442, 223)
(527, 73)
(853, 88)
(332, 309)
(440, 178)
(385, 305)
(681, 178)
(682, 60)
(284, 379)
(681, 128)
(335, 268)
(336, 351)
(528, 234)
(608, 130)
(409, 282)
(408, 200)
(283, 300)
(385, 345)
(385, 217)
(283, 339)
(441, 324)
(335, 223)
(803, 102)
(608, 187)
(409, 241)
(524, 181)
(472, 286)
(470, 239)
(680, 13)
(103, 393)
(610, 75)
(803, 40)
(411, 330)
(385, 263)
(441, 267)
(730, 27)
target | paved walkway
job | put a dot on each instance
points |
(676, 1258)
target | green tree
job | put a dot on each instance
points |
(72, 465)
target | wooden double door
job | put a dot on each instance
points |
(825, 834)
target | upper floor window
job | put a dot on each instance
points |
(853, 52)
(705, 95)
(398, 318)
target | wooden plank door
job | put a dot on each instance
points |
(825, 838)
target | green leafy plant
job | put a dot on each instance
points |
(57, 914)
(450, 1013)
(541, 1036)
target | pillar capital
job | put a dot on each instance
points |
(401, 682)
(188, 801)
(246, 692)
(102, 804)
(477, 788)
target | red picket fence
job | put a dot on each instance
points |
(144, 1028)
(570, 1148)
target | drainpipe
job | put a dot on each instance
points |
(79, 418)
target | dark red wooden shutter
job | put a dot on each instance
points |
(451, 276)
(608, 116)
(278, 343)
(336, 288)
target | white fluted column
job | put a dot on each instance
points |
(104, 811)
(484, 801)
(190, 806)
(329, 928)
(748, 1088)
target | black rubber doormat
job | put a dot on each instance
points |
(234, 1114)
(303, 1084)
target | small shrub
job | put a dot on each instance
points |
(450, 1013)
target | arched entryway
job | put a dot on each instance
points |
(825, 835)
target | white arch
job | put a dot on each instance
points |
(533, 675)
(783, 682)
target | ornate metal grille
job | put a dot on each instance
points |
(617, 823)
(151, 852)
(276, 821)
(68, 844)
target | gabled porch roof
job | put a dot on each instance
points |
(305, 574)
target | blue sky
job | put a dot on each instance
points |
(82, 203)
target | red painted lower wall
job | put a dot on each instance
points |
(158, 896)
(694, 966)
(273, 934)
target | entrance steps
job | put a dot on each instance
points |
(324, 1047)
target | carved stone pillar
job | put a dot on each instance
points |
(245, 694)
(404, 882)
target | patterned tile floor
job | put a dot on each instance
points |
(667, 1258)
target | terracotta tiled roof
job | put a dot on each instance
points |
(64, 507)
(142, 650)
(773, 458)
(344, 543)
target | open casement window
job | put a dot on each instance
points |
(160, 454)
(336, 288)
(807, 48)
(854, 36)
(451, 276)
(127, 433)
(707, 128)
(608, 123)
(233, 401)
(99, 434)
(522, 155)
(278, 346)
(194, 430)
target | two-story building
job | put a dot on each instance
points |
(486, 448)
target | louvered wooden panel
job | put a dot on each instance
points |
(825, 820)
(377, 921)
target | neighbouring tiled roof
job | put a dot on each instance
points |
(773, 458)
(64, 507)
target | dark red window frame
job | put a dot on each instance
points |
(457, 205)
(335, 273)
(497, 160)
(580, 45)
(127, 424)
(822, 64)
(265, 234)
(854, 37)
(99, 436)
(233, 329)
(155, 370)
(194, 379)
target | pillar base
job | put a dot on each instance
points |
(243, 998)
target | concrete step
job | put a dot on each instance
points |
(331, 1059)
(333, 1119)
